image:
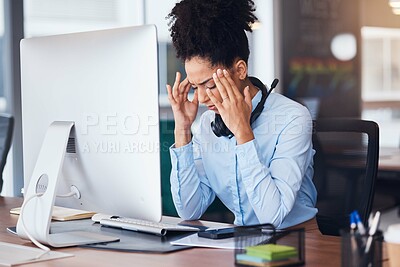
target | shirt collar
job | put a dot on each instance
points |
(256, 99)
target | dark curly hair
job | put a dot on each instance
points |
(212, 29)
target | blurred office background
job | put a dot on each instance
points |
(339, 58)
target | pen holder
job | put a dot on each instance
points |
(353, 250)
(262, 245)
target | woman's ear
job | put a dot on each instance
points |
(241, 69)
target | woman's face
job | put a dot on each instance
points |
(199, 74)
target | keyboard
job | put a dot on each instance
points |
(158, 228)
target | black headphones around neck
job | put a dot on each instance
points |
(218, 126)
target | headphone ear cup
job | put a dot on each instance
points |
(214, 128)
(219, 128)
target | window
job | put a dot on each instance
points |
(48, 17)
(381, 64)
(381, 81)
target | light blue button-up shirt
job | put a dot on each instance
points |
(266, 180)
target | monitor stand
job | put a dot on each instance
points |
(37, 210)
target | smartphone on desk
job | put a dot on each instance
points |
(217, 233)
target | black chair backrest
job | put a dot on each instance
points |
(345, 170)
(6, 131)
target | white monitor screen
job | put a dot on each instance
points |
(106, 82)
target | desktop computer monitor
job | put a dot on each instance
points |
(105, 83)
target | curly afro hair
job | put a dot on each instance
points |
(212, 29)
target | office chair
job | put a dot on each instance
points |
(6, 131)
(345, 170)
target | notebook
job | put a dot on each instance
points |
(63, 214)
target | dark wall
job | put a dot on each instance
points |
(309, 69)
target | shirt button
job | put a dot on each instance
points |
(241, 154)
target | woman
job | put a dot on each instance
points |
(251, 150)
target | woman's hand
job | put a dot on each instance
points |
(184, 110)
(235, 107)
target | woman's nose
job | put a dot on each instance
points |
(202, 94)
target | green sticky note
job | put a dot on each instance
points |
(248, 258)
(272, 251)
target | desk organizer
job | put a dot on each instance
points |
(262, 245)
(353, 250)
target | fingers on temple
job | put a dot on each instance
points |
(170, 96)
(229, 90)
(231, 82)
(175, 91)
(220, 86)
(185, 87)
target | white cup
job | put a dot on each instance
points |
(392, 239)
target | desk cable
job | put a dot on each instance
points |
(45, 249)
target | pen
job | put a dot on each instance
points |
(360, 225)
(353, 224)
(370, 219)
(372, 231)
(353, 241)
